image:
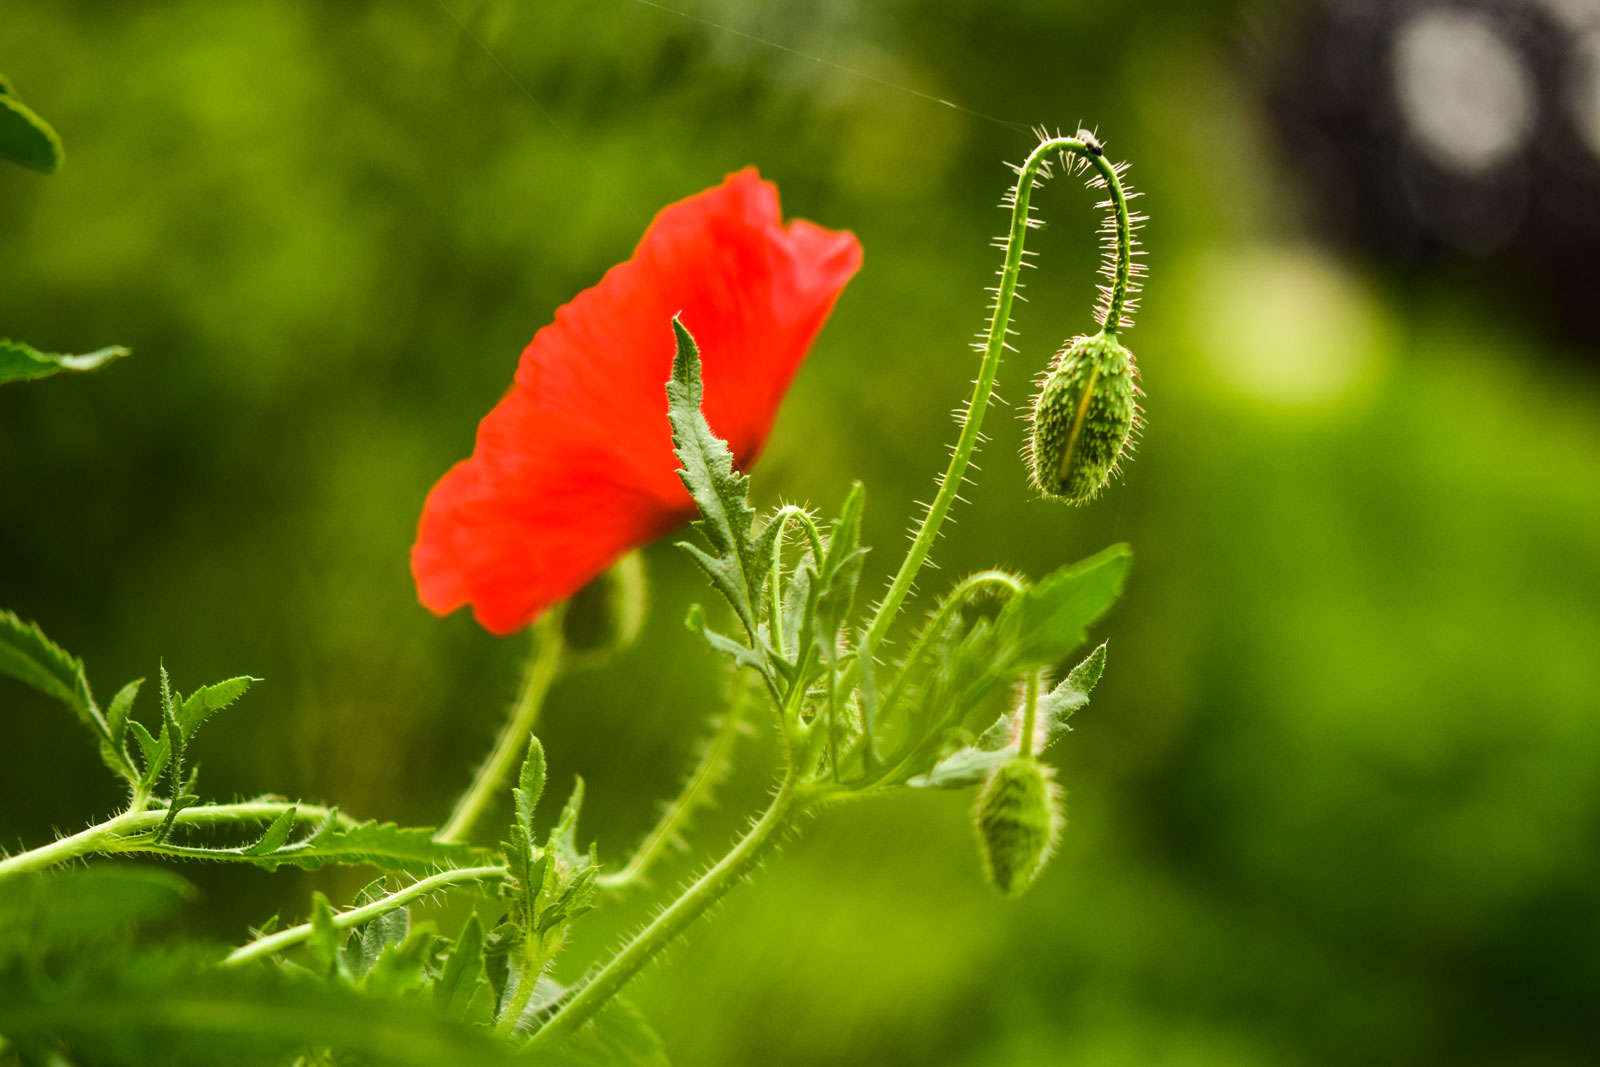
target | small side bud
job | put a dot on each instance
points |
(1083, 418)
(606, 615)
(1018, 816)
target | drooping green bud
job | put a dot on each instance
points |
(1018, 816)
(1083, 418)
(606, 615)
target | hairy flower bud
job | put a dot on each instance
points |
(1083, 418)
(1018, 816)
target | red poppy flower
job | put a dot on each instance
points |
(575, 466)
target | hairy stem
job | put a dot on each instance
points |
(701, 895)
(266, 946)
(1030, 711)
(994, 345)
(544, 663)
(125, 832)
(713, 764)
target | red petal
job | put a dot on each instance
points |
(575, 466)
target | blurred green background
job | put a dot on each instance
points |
(1338, 797)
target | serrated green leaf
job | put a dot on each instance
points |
(32, 658)
(27, 138)
(180, 1012)
(1049, 618)
(276, 834)
(462, 975)
(370, 940)
(208, 700)
(402, 965)
(21, 362)
(530, 786)
(971, 764)
(120, 709)
(155, 752)
(29, 656)
(44, 912)
(742, 654)
(739, 567)
(799, 608)
(172, 733)
(564, 837)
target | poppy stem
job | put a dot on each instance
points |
(1115, 304)
(715, 761)
(1030, 712)
(544, 664)
(705, 891)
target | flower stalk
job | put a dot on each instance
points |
(544, 664)
(709, 888)
(1117, 301)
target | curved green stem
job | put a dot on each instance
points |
(714, 762)
(124, 833)
(544, 663)
(265, 946)
(701, 895)
(994, 344)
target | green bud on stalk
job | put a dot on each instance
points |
(1018, 816)
(605, 616)
(1083, 418)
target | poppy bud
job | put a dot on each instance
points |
(606, 615)
(1019, 815)
(1083, 418)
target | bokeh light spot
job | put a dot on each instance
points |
(1286, 326)
(1464, 92)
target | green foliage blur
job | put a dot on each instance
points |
(1337, 797)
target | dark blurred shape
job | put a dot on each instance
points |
(1450, 136)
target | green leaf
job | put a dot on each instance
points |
(155, 750)
(172, 733)
(180, 1012)
(29, 656)
(402, 965)
(21, 362)
(530, 786)
(207, 701)
(462, 976)
(739, 566)
(43, 912)
(277, 834)
(971, 764)
(121, 707)
(742, 654)
(839, 573)
(27, 138)
(370, 940)
(1050, 618)
(564, 837)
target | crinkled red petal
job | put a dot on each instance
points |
(575, 466)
